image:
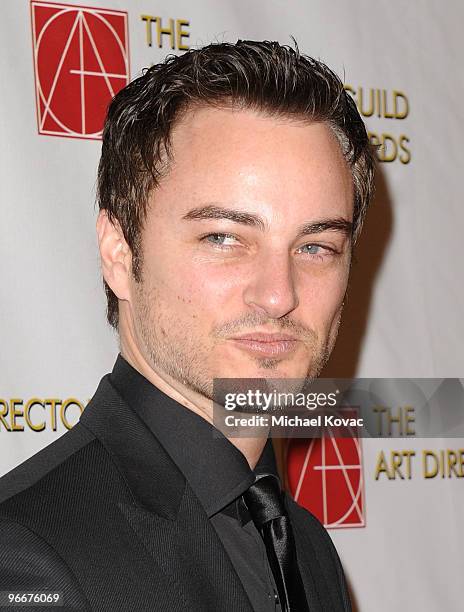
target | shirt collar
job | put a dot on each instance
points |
(215, 469)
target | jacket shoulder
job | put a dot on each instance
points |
(31, 471)
(28, 564)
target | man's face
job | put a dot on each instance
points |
(238, 280)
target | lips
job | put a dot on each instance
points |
(265, 337)
(265, 344)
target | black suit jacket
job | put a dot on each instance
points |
(104, 516)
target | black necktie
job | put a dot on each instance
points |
(265, 504)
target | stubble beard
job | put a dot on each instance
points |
(184, 361)
(167, 352)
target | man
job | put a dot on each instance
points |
(233, 183)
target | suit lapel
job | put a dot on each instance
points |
(165, 514)
(190, 554)
(317, 567)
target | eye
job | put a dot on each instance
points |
(220, 240)
(310, 249)
(317, 252)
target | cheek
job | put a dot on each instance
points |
(200, 291)
(321, 298)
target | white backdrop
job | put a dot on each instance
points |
(404, 315)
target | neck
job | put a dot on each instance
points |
(251, 447)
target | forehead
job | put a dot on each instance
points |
(250, 159)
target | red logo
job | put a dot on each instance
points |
(325, 477)
(81, 61)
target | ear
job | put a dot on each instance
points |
(115, 254)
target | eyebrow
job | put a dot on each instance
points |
(339, 224)
(218, 212)
(212, 211)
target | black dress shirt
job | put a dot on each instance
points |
(215, 469)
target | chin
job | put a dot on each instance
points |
(265, 368)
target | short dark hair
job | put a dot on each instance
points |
(262, 75)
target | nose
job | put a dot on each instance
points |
(271, 289)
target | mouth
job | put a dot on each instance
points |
(266, 345)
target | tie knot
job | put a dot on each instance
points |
(264, 500)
